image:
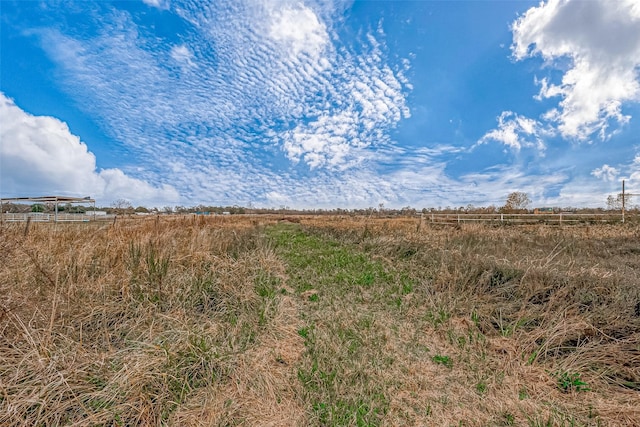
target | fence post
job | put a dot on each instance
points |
(501, 217)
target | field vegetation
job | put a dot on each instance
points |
(320, 321)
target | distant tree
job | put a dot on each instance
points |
(37, 207)
(122, 206)
(141, 209)
(79, 209)
(7, 207)
(182, 210)
(615, 203)
(17, 208)
(517, 201)
(408, 211)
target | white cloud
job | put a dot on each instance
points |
(517, 131)
(273, 85)
(40, 156)
(299, 29)
(160, 4)
(182, 55)
(634, 172)
(601, 40)
(582, 191)
(365, 100)
(606, 173)
(278, 82)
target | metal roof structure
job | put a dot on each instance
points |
(56, 200)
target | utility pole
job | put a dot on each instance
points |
(623, 201)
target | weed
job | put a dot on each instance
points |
(157, 267)
(523, 393)
(475, 318)
(443, 360)
(481, 387)
(568, 382)
(366, 279)
(266, 285)
(554, 419)
(407, 285)
(438, 317)
(532, 357)
(347, 413)
(508, 328)
(508, 419)
(304, 332)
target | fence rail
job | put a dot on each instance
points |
(442, 218)
(49, 217)
(558, 218)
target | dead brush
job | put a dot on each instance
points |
(191, 321)
(120, 325)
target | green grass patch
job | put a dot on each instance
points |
(570, 381)
(443, 360)
(343, 348)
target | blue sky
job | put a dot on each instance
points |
(320, 104)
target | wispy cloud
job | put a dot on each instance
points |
(160, 4)
(606, 173)
(182, 55)
(259, 85)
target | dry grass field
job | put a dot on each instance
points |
(324, 321)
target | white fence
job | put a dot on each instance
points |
(497, 218)
(49, 217)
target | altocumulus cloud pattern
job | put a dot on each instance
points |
(322, 103)
(223, 108)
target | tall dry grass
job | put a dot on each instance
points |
(142, 323)
(330, 321)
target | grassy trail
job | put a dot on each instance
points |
(366, 362)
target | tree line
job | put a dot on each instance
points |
(516, 202)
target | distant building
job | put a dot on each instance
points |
(538, 211)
